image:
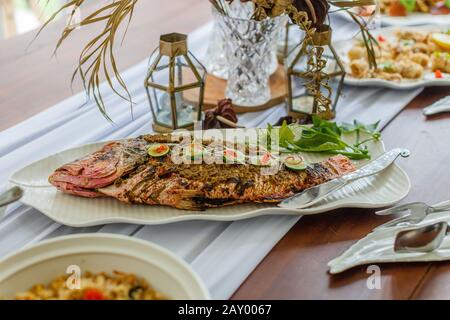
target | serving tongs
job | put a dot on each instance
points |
(315, 194)
(417, 212)
(10, 196)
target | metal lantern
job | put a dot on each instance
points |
(175, 85)
(315, 77)
(290, 38)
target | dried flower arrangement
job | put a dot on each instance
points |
(221, 117)
(97, 57)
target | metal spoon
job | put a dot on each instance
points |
(424, 239)
(10, 196)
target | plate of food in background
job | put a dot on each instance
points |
(406, 58)
(406, 12)
(98, 267)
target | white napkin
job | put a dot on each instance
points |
(378, 247)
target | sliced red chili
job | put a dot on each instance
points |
(161, 148)
(93, 294)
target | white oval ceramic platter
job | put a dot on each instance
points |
(43, 262)
(342, 47)
(412, 19)
(381, 190)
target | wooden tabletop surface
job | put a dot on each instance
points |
(30, 81)
(297, 266)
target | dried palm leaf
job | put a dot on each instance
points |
(369, 41)
(97, 57)
(219, 6)
(351, 3)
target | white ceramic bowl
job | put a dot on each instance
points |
(43, 262)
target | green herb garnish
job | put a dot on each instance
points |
(447, 4)
(387, 66)
(409, 5)
(358, 128)
(407, 42)
(326, 137)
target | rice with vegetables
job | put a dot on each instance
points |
(99, 286)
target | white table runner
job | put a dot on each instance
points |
(222, 253)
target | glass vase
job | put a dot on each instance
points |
(216, 61)
(250, 50)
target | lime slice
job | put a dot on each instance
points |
(231, 156)
(295, 163)
(441, 39)
(158, 149)
(265, 160)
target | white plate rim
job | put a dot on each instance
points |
(232, 217)
(415, 19)
(190, 216)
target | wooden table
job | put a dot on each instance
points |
(296, 268)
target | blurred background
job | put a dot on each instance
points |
(20, 16)
(25, 62)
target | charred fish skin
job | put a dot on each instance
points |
(251, 186)
(198, 187)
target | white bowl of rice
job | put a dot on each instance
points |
(98, 267)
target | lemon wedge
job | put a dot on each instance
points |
(441, 39)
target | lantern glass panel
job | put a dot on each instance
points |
(160, 74)
(188, 106)
(336, 71)
(301, 74)
(302, 100)
(184, 74)
(291, 36)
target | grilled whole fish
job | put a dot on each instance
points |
(159, 181)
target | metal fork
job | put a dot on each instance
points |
(417, 213)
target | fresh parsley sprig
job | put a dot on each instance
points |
(326, 137)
